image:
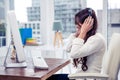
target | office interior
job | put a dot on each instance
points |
(40, 16)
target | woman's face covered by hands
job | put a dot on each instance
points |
(85, 27)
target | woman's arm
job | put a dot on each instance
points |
(92, 45)
(69, 44)
(79, 49)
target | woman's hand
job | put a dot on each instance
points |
(86, 26)
(77, 33)
(78, 27)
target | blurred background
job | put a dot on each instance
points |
(39, 15)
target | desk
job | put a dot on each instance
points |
(30, 73)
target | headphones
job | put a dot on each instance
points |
(90, 12)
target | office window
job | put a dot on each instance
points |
(38, 32)
(33, 26)
(113, 17)
(64, 11)
(29, 25)
(25, 25)
(34, 32)
(2, 23)
(38, 26)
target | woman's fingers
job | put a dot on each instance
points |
(89, 21)
(86, 20)
(87, 25)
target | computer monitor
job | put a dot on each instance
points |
(17, 40)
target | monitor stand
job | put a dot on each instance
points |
(14, 64)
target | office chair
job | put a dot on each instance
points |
(110, 64)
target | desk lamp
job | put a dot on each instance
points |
(57, 27)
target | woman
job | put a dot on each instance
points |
(85, 45)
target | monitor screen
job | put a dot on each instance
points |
(16, 36)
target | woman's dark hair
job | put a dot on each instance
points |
(79, 18)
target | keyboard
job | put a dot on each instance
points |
(39, 63)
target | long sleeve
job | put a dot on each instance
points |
(69, 43)
(92, 45)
